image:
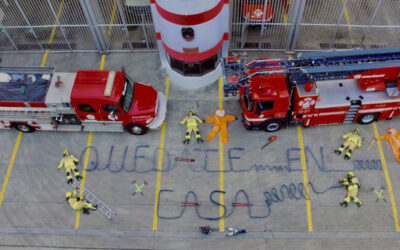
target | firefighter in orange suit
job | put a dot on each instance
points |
(393, 136)
(78, 203)
(220, 121)
(352, 140)
(69, 163)
(352, 185)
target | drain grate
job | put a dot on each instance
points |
(53, 46)
(251, 45)
(350, 46)
(266, 45)
(59, 46)
(135, 45)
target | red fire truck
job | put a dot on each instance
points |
(33, 98)
(316, 88)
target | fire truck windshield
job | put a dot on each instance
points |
(126, 99)
(248, 102)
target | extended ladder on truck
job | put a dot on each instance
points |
(328, 65)
(101, 206)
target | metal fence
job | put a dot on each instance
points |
(76, 25)
(297, 25)
(126, 25)
(344, 24)
(57, 25)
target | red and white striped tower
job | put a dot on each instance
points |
(192, 37)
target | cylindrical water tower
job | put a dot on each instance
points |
(192, 37)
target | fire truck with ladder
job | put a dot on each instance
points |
(316, 88)
(38, 98)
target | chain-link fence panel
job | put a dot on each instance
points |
(127, 25)
(54, 25)
(347, 24)
(260, 24)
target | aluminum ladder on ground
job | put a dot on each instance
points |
(101, 206)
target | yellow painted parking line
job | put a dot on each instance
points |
(44, 59)
(53, 32)
(347, 16)
(10, 167)
(387, 178)
(221, 162)
(103, 59)
(220, 93)
(305, 178)
(84, 172)
(160, 160)
(285, 18)
(112, 17)
(86, 162)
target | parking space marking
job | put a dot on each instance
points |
(53, 32)
(387, 178)
(285, 17)
(103, 59)
(221, 162)
(112, 17)
(305, 176)
(10, 167)
(160, 160)
(44, 59)
(347, 16)
(16, 146)
(84, 172)
(86, 162)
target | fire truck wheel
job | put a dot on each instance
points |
(367, 118)
(23, 127)
(272, 125)
(136, 129)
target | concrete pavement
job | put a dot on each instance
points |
(34, 212)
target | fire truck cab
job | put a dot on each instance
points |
(90, 100)
(268, 98)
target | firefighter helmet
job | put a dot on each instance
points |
(356, 130)
(68, 194)
(66, 152)
(350, 174)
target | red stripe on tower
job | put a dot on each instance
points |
(194, 19)
(194, 57)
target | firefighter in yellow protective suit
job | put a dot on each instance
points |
(352, 140)
(69, 163)
(192, 121)
(352, 185)
(78, 203)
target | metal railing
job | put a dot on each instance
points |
(127, 25)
